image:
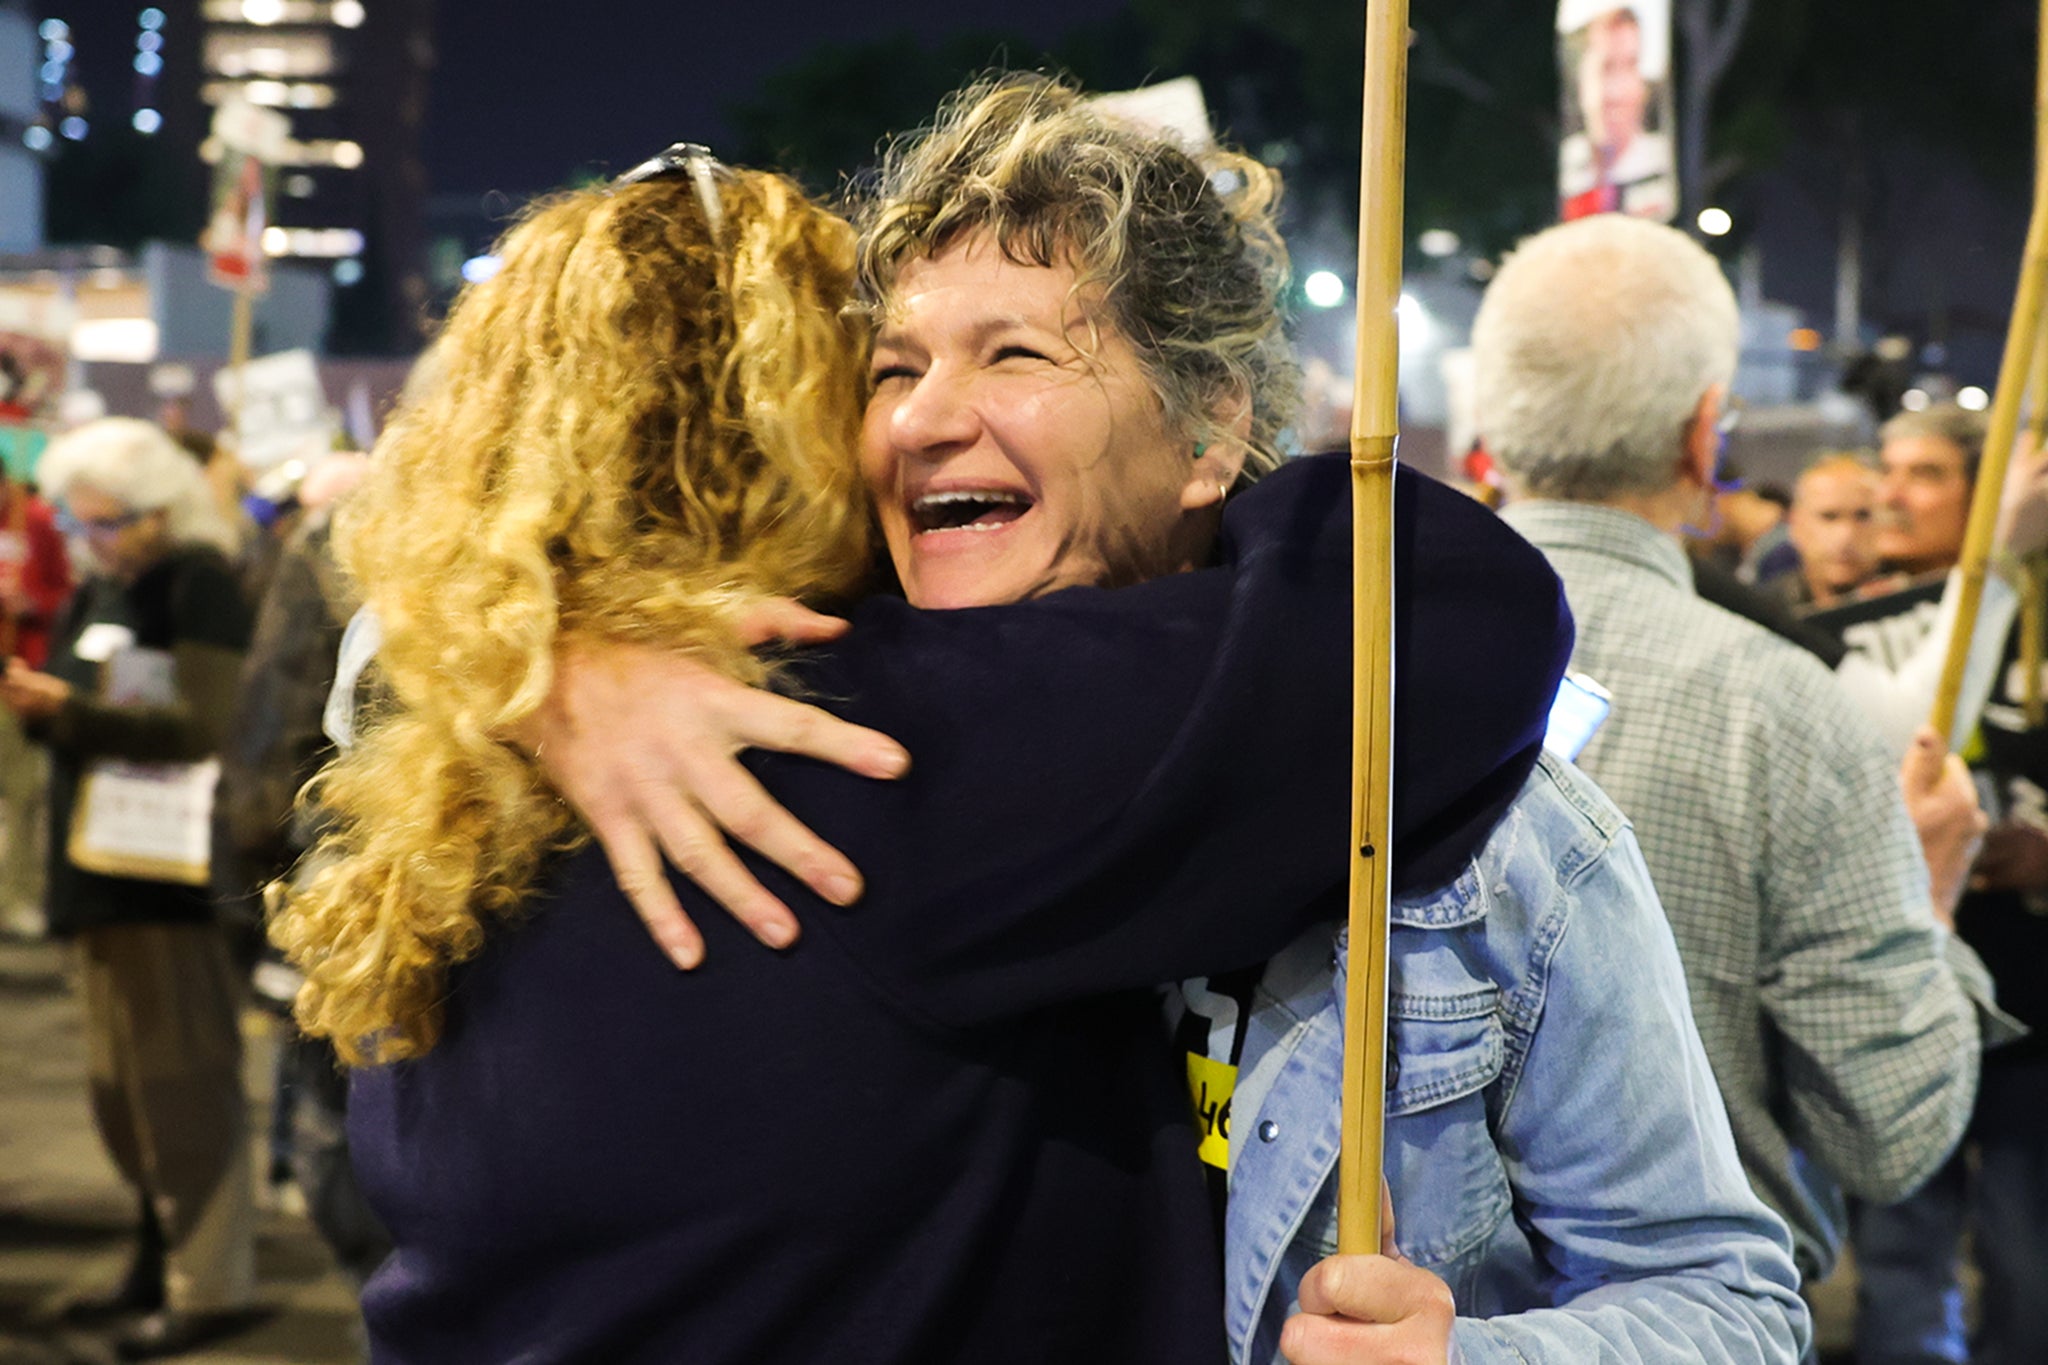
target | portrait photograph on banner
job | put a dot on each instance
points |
(1617, 150)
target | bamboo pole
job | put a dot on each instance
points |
(241, 324)
(1375, 427)
(2013, 373)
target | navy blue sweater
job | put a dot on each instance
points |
(946, 1125)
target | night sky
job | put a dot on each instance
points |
(527, 91)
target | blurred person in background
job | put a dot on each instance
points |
(1910, 1302)
(1929, 464)
(1830, 524)
(1749, 539)
(35, 580)
(1840, 1014)
(160, 608)
(274, 748)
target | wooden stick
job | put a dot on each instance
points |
(241, 324)
(1375, 426)
(2033, 646)
(2013, 373)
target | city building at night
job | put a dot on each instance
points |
(351, 76)
(21, 170)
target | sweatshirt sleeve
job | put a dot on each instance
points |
(1110, 789)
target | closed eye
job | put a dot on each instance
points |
(1014, 352)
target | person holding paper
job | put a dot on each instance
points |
(137, 692)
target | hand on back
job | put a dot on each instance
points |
(644, 743)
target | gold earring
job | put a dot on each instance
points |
(1222, 491)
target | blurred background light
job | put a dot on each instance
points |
(1323, 289)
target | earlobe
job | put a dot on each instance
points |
(1216, 467)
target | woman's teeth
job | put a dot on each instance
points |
(968, 510)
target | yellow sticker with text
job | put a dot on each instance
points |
(1210, 1084)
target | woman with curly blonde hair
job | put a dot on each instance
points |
(638, 429)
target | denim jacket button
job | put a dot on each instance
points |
(1268, 1131)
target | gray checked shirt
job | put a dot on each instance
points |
(1838, 1015)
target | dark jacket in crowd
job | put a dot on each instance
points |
(190, 605)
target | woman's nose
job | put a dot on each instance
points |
(935, 412)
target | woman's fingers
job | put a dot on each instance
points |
(788, 621)
(762, 720)
(636, 866)
(700, 853)
(742, 807)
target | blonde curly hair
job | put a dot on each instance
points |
(1185, 246)
(628, 432)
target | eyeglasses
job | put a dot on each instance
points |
(96, 526)
(693, 159)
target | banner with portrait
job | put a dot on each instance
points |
(1617, 152)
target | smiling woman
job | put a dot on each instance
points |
(1079, 347)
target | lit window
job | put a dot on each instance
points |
(348, 13)
(151, 19)
(263, 11)
(277, 55)
(147, 121)
(148, 64)
(73, 128)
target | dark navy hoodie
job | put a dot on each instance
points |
(946, 1126)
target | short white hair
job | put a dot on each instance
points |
(1592, 350)
(138, 465)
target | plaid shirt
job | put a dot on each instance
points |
(1838, 1015)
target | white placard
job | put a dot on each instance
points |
(283, 411)
(1172, 108)
(262, 133)
(146, 820)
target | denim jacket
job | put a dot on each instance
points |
(1556, 1146)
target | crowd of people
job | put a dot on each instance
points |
(720, 980)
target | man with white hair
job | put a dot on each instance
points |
(1836, 1007)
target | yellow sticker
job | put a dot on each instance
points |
(1210, 1084)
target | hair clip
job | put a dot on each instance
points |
(693, 159)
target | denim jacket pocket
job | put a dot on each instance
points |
(1447, 1048)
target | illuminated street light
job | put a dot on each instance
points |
(1973, 398)
(1914, 400)
(1323, 289)
(1438, 243)
(147, 121)
(1716, 222)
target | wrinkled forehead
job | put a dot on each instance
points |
(985, 277)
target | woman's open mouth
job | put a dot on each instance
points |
(980, 509)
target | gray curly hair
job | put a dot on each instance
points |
(1183, 245)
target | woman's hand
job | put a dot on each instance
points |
(32, 695)
(643, 742)
(1942, 800)
(1371, 1310)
